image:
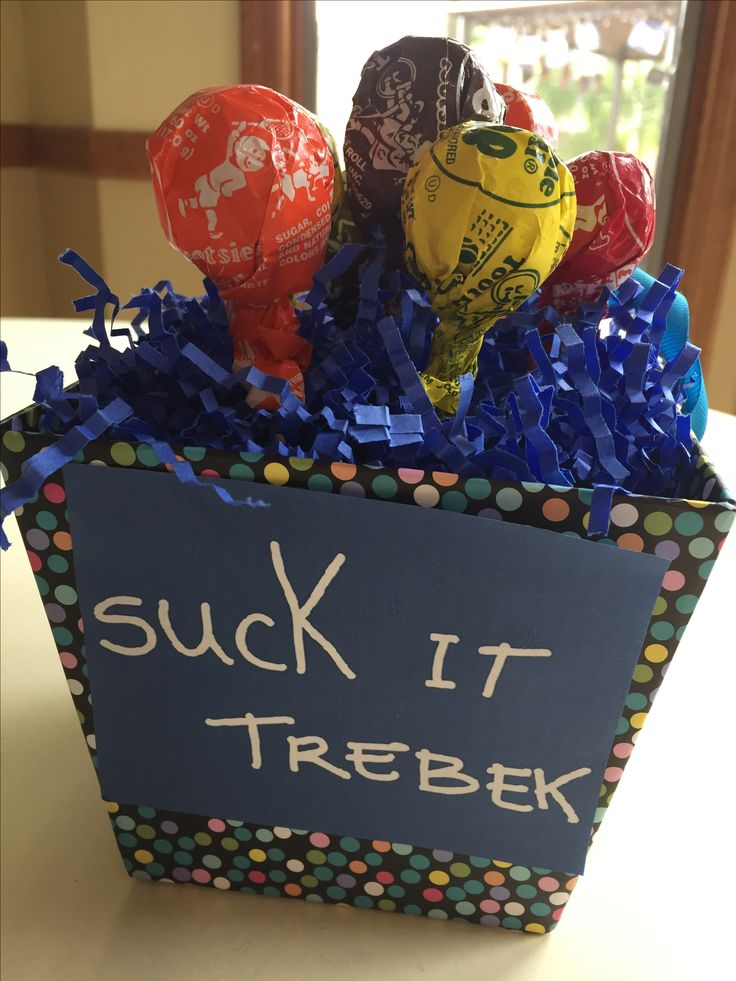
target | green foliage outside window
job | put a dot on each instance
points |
(583, 106)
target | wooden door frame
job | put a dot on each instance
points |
(278, 47)
(703, 212)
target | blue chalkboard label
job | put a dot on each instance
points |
(355, 667)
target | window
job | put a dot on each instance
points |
(604, 71)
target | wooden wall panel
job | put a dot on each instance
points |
(76, 150)
(279, 47)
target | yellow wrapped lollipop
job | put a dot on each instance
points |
(488, 213)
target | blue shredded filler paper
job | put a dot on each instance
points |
(589, 400)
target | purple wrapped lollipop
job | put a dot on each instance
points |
(408, 94)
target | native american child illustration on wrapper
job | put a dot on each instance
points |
(245, 153)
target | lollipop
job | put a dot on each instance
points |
(488, 214)
(408, 94)
(525, 110)
(243, 179)
(614, 228)
(338, 185)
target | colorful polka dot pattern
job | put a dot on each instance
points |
(320, 867)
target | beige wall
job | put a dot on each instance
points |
(58, 66)
(15, 102)
(45, 81)
(23, 282)
(161, 53)
(146, 58)
(70, 211)
(109, 65)
(56, 40)
(136, 253)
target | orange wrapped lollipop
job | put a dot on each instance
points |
(243, 179)
(526, 110)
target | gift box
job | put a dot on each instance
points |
(332, 628)
(381, 687)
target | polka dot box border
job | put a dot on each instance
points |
(335, 867)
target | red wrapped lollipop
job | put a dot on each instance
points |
(525, 110)
(243, 179)
(614, 228)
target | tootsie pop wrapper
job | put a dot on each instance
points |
(243, 180)
(409, 93)
(526, 110)
(338, 184)
(488, 214)
(342, 229)
(614, 228)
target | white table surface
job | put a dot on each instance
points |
(656, 902)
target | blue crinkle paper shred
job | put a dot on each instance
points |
(584, 401)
